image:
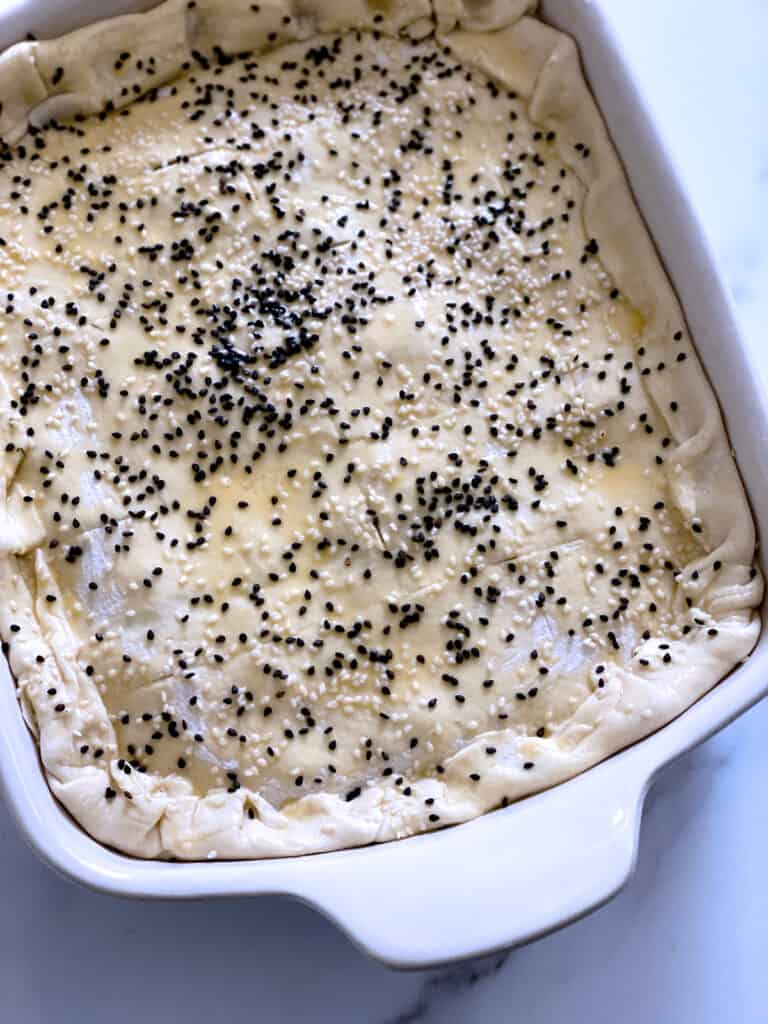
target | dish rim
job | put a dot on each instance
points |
(621, 781)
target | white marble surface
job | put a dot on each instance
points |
(686, 940)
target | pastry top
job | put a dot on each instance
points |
(359, 473)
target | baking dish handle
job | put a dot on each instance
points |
(499, 881)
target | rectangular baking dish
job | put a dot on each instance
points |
(517, 873)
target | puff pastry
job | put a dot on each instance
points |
(359, 475)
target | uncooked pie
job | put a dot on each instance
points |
(359, 476)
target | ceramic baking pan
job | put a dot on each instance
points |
(520, 872)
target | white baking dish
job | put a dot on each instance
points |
(517, 873)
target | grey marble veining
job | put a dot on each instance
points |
(684, 942)
(439, 988)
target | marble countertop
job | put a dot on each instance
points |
(684, 942)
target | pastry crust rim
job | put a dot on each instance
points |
(549, 77)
